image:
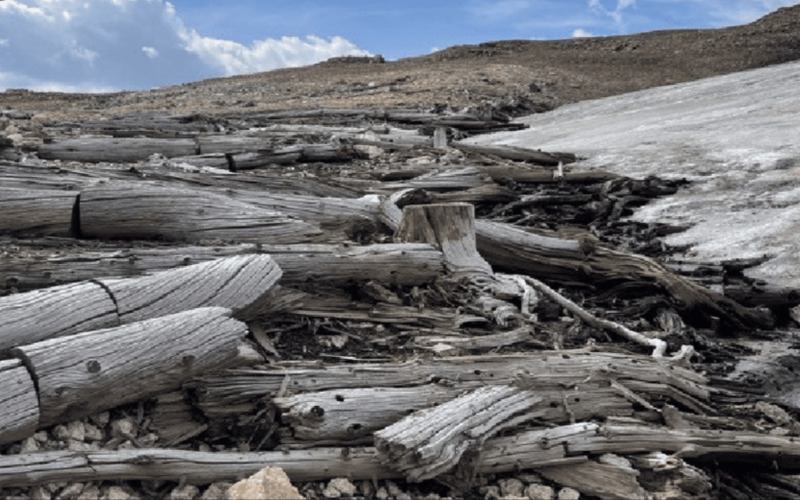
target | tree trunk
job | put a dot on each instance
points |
(127, 150)
(36, 211)
(94, 371)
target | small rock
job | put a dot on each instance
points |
(217, 491)
(72, 491)
(185, 492)
(73, 445)
(30, 445)
(382, 494)
(511, 487)
(124, 428)
(490, 492)
(101, 419)
(117, 493)
(39, 493)
(367, 489)
(91, 492)
(568, 494)
(540, 492)
(339, 487)
(93, 433)
(41, 436)
(75, 431)
(268, 483)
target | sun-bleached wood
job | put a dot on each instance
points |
(19, 405)
(108, 149)
(94, 371)
(36, 211)
(30, 317)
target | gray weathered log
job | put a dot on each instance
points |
(611, 478)
(19, 406)
(94, 371)
(430, 442)
(36, 211)
(518, 154)
(397, 263)
(102, 149)
(236, 283)
(30, 317)
(184, 215)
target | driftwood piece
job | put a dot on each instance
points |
(103, 149)
(431, 442)
(36, 211)
(449, 226)
(397, 263)
(348, 415)
(26, 318)
(183, 215)
(94, 371)
(235, 283)
(173, 419)
(518, 154)
(19, 406)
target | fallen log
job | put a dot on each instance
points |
(36, 211)
(104, 149)
(397, 263)
(19, 406)
(183, 215)
(94, 371)
(518, 154)
(610, 478)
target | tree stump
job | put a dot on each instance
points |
(451, 227)
(94, 371)
(19, 406)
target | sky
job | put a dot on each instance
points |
(112, 45)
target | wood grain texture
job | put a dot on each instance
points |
(19, 405)
(94, 371)
(36, 211)
(34, 316)
(146, 211)
(104, 149)
(235, 282)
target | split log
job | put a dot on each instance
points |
(36, 211)
(19, 406)
(397, 263)
(235, 283)
(183, 214)
(430, 442)
(94, 371)
(451, 227)
(610, 478)
(30, 317)
(127, 150)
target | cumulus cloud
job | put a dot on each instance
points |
(579, 33)
(97, 44)
(616, 12)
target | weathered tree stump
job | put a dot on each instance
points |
(90, 372)
(19, 405)
(30, 317)
(143, 211)
(451, 227)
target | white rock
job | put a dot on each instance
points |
(216, 491)
(39, 493)
(540, 492)
(116, 493)
(93, 433)
(511, 487)
(72, 490)
(185, 492)
(342, 486)
(382, 494)
(29, 445)
(91, 492)
(124, 428)
(266, 484)
(568, 494)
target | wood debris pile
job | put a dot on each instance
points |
(353, 293)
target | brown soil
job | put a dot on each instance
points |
(546, 73)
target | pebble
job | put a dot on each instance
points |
(116, 493)
(71, 491)
(511, 487)
(39, 493)
(29, 445)
(216, 491)
(540, 492)
(185, 492)
(91, 492)
(339, 487)
(568, 494)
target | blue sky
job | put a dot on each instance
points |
(106, 45)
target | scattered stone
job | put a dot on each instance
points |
(339, 487)
(568, 494)
(511, 487)
(41, 436)
(91, 492)
(540, 492)
(39, 493)
(217, 491)
(73, 490)
(30, 445)
(93, 433)
(382, 494)
(185, 492)
(117, 493)
(490, 492)
(268, 483)
(124, 428)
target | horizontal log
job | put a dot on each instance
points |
(94, 371)
(121, 150)
(183, 215)
(399, 263)
(19, 405)
(36, 211)
(517, 153)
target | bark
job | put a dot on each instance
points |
(83, 374)
(518, 154)
(183, 215)
(36, 211)
(611, 480)
(19, 406)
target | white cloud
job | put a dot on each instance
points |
(579, 33)
(150, 52)
(93, 44)
(616, 12)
